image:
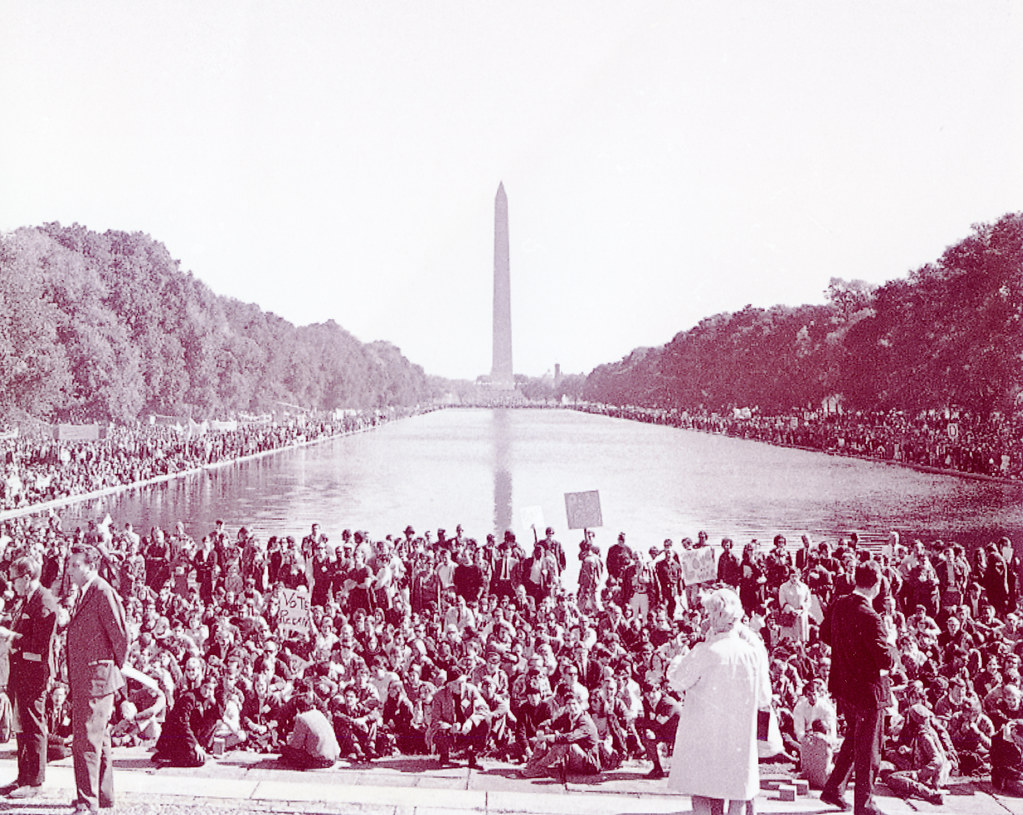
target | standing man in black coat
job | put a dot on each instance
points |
(31, 638)
(860, 662)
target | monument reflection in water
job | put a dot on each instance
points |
(502, 469)
(481, 467)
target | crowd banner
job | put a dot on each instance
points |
(229, 426)
(293, 617)
(699, 565)
(78, 432)
(583, 509)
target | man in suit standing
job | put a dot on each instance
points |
(860, 662)
(31, 639)
(97, 645)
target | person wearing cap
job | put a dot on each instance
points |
(927, 756)
(458, 719)
(31, 640)
(534, 710)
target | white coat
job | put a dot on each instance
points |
(725, 680)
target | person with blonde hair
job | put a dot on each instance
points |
(725, 681)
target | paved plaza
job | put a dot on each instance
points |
(241, 782)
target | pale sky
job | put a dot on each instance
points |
(664, 161)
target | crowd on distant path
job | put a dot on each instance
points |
(357, 646)
(959, 442)
(38, 468)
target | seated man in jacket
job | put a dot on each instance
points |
(187, 736)
(931, 764)
(312, 743)
(657, 725)
(569, 745)
(459, 717)
(530, 716)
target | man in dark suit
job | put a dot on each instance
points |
(860, 661)
(31, 639)
(97, 645)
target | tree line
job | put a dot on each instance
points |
(108, 327)
(950, 334)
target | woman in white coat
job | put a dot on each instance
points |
(794, 597)
(725, 680)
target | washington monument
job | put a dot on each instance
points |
(502, 375)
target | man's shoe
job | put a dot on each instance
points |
(936, 798)
(82, 808)
(656, 773)
(835, 800)
(26, 791)
(7, 789)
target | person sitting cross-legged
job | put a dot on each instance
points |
(312, 743)
(569, 745)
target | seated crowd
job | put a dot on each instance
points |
(437, 644)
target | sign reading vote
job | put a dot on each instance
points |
(293, 615)
(699, 565)
(583, 509)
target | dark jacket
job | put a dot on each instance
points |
(859, 653)
(32, 657)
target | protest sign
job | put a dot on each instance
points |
(293, 615)
(699, 565)
(583, 509)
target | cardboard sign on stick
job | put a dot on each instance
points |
(583, 509)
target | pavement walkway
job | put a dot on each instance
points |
(248, 782)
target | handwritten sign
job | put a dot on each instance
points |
(583, 509)
(293, 615)
(699, 565)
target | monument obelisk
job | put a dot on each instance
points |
(502, 375)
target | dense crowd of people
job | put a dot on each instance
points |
(38, 467)
(959, 441)
(359, 646)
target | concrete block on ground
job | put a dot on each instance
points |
(786, 792)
